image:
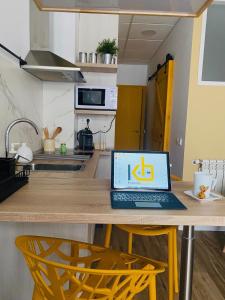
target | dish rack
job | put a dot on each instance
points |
(10, 185)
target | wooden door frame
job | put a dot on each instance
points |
(169, 104)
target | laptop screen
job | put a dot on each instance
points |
(140, 170)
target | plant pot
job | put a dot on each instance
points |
(106, 58)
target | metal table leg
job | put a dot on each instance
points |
(186, 264)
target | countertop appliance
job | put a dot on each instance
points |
(85, 138)
(95, 97)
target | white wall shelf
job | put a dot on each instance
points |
(95, 112)
(100, 68)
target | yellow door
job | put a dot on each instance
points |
(160, 132)
(129, 121)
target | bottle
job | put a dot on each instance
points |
(63, 148)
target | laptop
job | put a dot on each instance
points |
(142, 180)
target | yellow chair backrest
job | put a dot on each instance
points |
(65, 270)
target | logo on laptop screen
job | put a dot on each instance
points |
(142, 171)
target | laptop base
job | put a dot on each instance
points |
(145, 200)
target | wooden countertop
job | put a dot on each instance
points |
(81, 200)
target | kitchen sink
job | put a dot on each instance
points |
(68, 156)
(54, 167)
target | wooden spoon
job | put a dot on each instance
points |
(56, 132)
(46, 133)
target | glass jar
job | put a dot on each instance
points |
(63, 148)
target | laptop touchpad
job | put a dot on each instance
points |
(147, 204)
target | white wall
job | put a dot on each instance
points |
(54, 31)
(14, 26)
(20, 93)
(132, 74)
(39, 28)
(62, 34)
(179, 44)
(58, 110)
(93, 28)
(20, 96)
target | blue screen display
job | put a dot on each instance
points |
(140, 171)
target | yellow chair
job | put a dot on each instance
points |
(151, 230)
(69, 270)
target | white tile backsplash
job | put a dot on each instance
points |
(59, 111)
(97, 123)
(20, 96)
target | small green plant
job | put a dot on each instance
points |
(107, 46)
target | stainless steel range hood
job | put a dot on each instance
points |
(48, 66)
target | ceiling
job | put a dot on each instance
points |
(143, 24)
(139, 7)
(141, 36)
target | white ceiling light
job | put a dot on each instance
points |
(148, 33)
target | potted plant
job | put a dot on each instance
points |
(107, 48)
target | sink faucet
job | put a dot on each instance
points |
(10, 126)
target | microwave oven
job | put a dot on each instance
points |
(96, 97)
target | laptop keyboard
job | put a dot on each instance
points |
(153, 200)
(142, 196)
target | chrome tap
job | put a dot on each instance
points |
(11, 125)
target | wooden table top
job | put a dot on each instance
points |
(82, 200)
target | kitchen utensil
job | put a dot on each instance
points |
(46, 133)
(49, 145)
(85, 138)
(24, 154)
(83, 57)
(57, 131)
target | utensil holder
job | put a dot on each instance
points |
(49, 145)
